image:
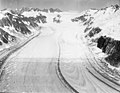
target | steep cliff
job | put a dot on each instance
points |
(110, 47)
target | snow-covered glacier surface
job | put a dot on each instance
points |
(50, 51)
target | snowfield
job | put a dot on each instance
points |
(59, 57)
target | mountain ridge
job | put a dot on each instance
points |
(98, 25)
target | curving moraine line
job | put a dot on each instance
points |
(92, 67)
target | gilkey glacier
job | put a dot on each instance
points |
(51, 51)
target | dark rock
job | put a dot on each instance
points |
(88, 22)
(4, 40)
(4, 36)
(20, 26)
(87, 29)
(100, 42)
(112, 48)
(116, 7)
(81, 18)
(94, 31)
(114, 59)
(0, 43)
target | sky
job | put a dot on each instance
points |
(65, 5)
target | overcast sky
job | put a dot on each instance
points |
(75, 5)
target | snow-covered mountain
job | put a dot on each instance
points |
(100, 27)
(102, 31)
(102, 21)
(16, 27)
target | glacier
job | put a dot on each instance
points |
(54, 51)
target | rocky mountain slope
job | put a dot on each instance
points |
(15, 27)
(102, 29)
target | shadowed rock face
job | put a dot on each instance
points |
(110, 47)
(5, 37)
(17, 23)
(94, 31)
(5, 22)
(82, 18)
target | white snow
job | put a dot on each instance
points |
(31, 13)
(1, 15)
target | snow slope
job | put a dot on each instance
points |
(104, 18)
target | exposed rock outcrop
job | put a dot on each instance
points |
(110, 47)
